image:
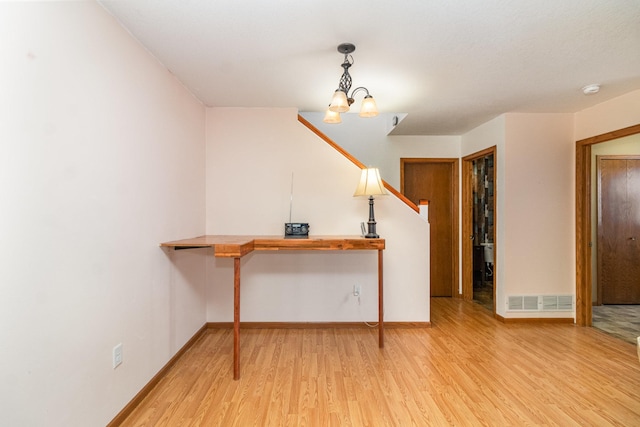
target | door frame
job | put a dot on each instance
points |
(455, 249)
(467, 222)
(584, 295)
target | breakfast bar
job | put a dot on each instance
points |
(238, 246)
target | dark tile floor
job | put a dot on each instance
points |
(621, 321)
(483, 295)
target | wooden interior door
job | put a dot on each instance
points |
(619, 229)
(436, 180)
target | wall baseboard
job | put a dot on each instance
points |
(128, 409)
(316, 325)
(537, 320)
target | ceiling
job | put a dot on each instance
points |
(450, 65)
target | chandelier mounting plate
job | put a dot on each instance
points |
(346, 48)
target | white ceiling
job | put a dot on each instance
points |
(451, 65)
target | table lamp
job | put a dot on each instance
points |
(370, 185)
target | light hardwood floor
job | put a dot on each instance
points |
(468, 369)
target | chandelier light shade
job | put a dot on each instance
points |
(342, 100)
(331, 117)
(370, 185)
(339, 102)
(368, 108)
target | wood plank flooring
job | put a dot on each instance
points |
(468, 369)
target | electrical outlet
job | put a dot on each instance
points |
(356, 290)
(117, 355)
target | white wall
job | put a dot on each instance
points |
(535, 236)
(101, 158)
(251, 154)
(614, 114)
(367, 140)
(484, 136)
(539, 204)
(438, 146)
(489, 134)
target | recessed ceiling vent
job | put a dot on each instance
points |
(540, 303)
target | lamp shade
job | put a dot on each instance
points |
(339, 103)
(369, 107)
(332, 117)
(370, 183)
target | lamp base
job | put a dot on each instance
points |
(371, 224)
(371, 230)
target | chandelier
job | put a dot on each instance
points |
(342, 99)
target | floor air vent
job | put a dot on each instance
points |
(557, 302)
(540, 303)
(520, 303)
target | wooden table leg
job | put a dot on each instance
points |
(236, 318)
(380, 303)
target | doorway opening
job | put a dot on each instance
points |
(479, 227)
(585, 264)
(483, 230)
(616, 238)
